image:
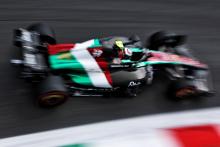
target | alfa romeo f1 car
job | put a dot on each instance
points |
(106, 66)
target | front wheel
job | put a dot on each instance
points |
(131, 92)
(164, 38)
(182, 89)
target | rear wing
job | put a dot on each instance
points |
(25, 38)
(32, 59)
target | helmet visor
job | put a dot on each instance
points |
(119, 44)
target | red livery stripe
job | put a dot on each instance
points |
(100, 59)
(104, 66)
(54, 49)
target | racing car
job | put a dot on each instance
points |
(106, 66)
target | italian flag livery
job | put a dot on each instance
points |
(90, 68)
(85, 59)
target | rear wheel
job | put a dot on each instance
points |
(52, 92)
(47, 34)
(52, 98)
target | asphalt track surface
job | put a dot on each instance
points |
(76, 21)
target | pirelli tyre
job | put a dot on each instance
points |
(174, 43)
(47, 34)
(131, 92)
(183, 89)
(162, 38)
(52, 91)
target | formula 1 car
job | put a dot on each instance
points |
(86, 69)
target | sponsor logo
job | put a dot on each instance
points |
(30, 59)
(128, 52)
(133, 83)
(97, 53)
(26, 36)
(119, 65)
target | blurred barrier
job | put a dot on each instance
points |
(191, 136)
(200, 128)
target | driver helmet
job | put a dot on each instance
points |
(122, 51)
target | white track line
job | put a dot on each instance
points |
(110, 129)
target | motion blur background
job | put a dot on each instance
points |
(76, 21)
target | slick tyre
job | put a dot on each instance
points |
(52, 92)
(162, 38)
(47, 34)
(131, 92)
(183, 89)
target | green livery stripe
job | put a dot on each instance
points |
(57, 63)
(159, 62)
(136, 49)
(144, 63)
(82, 79)
(96, 43)
(127, 61)
(74, 64)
